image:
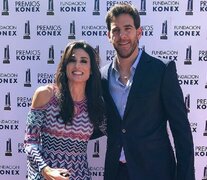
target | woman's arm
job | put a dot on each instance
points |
(35, 119)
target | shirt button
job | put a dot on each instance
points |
(124, 131)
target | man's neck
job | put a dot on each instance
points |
(124, 64)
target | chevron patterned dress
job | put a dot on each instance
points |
(49, 142)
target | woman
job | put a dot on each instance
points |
(64, 116)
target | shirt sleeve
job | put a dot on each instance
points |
(32, 141)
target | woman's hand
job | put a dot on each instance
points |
(55, 174)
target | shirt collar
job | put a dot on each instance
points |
(134, 65)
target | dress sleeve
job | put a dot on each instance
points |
(32, 141)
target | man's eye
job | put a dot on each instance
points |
(115, 31)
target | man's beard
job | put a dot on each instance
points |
(122, 54)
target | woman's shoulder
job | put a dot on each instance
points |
(42, 96)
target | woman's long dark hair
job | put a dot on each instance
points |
(95, 102)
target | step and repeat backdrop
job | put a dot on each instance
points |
(34, 33)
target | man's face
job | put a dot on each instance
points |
(124, 36)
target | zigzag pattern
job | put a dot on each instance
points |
(49, 142)
(69, 146)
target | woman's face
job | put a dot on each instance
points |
(79, 67)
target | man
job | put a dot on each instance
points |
(142, 94)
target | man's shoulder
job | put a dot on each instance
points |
(104, 70)
(157, 60)
(105, 67)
